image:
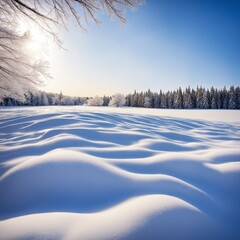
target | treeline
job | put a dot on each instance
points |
(189, 98)
(41, 98)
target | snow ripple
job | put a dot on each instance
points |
(82, 173)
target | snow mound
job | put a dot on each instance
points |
(105, 173)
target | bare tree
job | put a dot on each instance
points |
(49, 16)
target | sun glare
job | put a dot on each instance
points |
(37, 39)
(34, 46)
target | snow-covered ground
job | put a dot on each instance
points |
(119, 173)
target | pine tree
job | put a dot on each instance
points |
(205, 103)
(199, 98)
(186, 98)
(106, 100)
(237, 93)
(156, 101)
(44, 99)
(141, 100)
(225, 96)
(232, 98)
(146, 102)
(128, 100)
(60, 96)
(214, 98)
(160, 99)
(151, 99)
(134, 99)
(163, 101)
(178, 102)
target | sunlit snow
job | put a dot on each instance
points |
(119, 173)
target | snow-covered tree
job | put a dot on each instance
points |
(187, 99)
(156, 100)
(164, 101)
(128, 100)
(169, 99)
(134, 99)
(44, 99)
(214, 98)
(205, 99)
(199, 98)
(237, 94)
(48, 14)
(147, 102)
(232, 98)
(106, 100)
(21, 68)
(18, 69)
(55, 100)
(66, 100)
(225, 98)
(117, 100)
(150, 95)
(141, 99)
(178, 99)
(96, 101)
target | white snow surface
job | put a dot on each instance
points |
(119, 173)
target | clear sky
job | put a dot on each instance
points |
(164, 44)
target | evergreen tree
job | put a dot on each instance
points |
(156, 101)
(106, 100)
(199, 98)
(146, 102)
(232, 98)
(128, 100)
(60, 96)
(225, 96)
(214, 99)
(237, 93)
(178, 99)
(134, 99)
(206, 96)
(163, 101)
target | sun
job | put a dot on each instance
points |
(36, 39)
(34, 45)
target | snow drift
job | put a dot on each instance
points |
(106, 173)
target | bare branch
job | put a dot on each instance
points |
(49, 15)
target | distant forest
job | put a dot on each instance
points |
(200, 98)
(189, 98)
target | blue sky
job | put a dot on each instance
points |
(164, 44)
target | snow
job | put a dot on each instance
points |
(119, 173)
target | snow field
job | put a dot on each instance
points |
(119, 173)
